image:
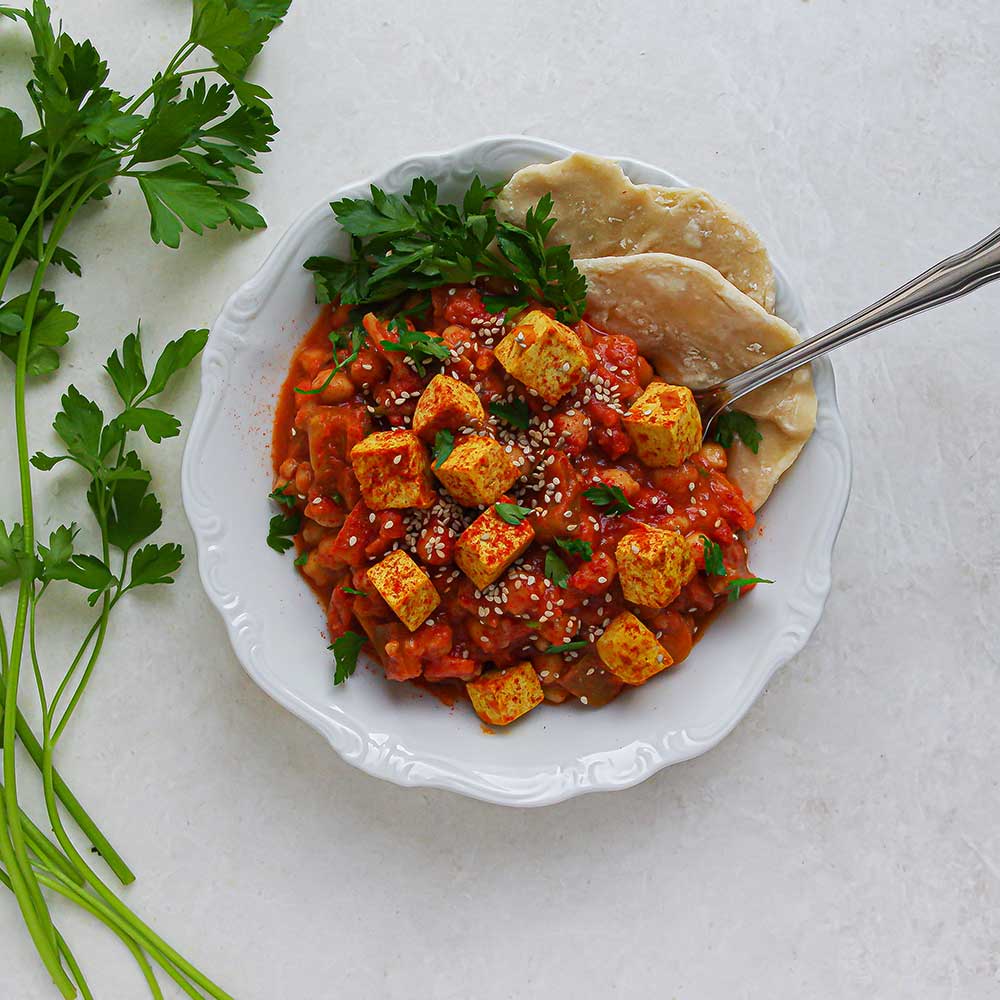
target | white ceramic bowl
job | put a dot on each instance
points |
(395, 731)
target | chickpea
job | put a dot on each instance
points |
(714, 455)
(621, 479)
(573, 428)
(643, 372)
(339, 390)
(313, 533)
(369, 369)
(287, 469)
(303, 478)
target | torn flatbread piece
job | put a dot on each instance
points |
(696, 328)
(601, 213)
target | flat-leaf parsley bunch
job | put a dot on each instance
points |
(185, 141)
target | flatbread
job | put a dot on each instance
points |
(696, 328)
(601, 213)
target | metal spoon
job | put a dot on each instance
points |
(944, 281)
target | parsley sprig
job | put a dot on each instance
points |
(568, 647)
(735, 587)
(512, 513)
(186, 141)
(576, 547)
(411, 242)
(736, 423)
(714, 566)
(345, 655)
(517, 413)
(611, 497)
(556, 570)
(421, 348)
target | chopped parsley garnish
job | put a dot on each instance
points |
(713, 557)
(281, 497)
(556, 570)
(406, 243)
(345, 655)
(568, 647)
(735, 586)
(357, 338)
(421, 348)
(281, 530)
(610, 497)
(357, 593)
(516, 413)
(735, 423)
(444, 445)
(302, 559)
(511, 512)
(576, 547)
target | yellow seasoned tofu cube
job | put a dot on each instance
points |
(664, 424)
(393, 470)
(478, 471)
(489, 545)
(653, 566)
(405, 587)
(446, 403)
(544, 354)
(630, 651)
(501, 696)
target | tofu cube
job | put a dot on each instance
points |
(405, 587)
(393, 470)
(630, 651)
(489, 545)
(664, 424)
(653, 566)
(501, 696)
(446, 403)
(544, 354)
(478, 471)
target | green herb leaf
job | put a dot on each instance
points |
(58, 552)
(176, 356)
(13, 555)
(569, 647)
(281, 530)
(714, 565)
(358, 337)
(357, 593)
(517, 413)
(79, 423)
(444, 444)
(345, 654)
(155, 564)
(576, 547)
(610, 497)
(736, 422)
(156, 423)
(512, 513)
(421, 348)
(50, 329)
(282, 498)
(134, 512)
(556, 570)
(735, 586)
(301, 559)
(86, 571)
(127, 371)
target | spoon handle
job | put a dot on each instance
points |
(946, 280)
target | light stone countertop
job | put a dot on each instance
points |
(844, 841)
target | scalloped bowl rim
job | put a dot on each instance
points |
(386, 754)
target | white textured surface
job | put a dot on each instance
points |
(844, 841)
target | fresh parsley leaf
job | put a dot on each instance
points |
(155, 564)
(610, 497)
(734, 423)
(134, 512)
(86, 571)
(556, 570)
(175, 357)
(50, 330)
(127, 371)
(156, 423)
(576, 547)
(444, 445)
(79, 423)
(282, 498)
(569, 647)
(410, 242)
(46, 462)
(517, 413)
(357, 593)
(12, 552)
(281, 530)
(512, 513)
(301, 559)
(735, 586)
(177, 196)
(345, 653)
(357, 337)
(421, 348)
(58, 552)
(714, 565)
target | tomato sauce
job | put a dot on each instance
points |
(567, 448)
